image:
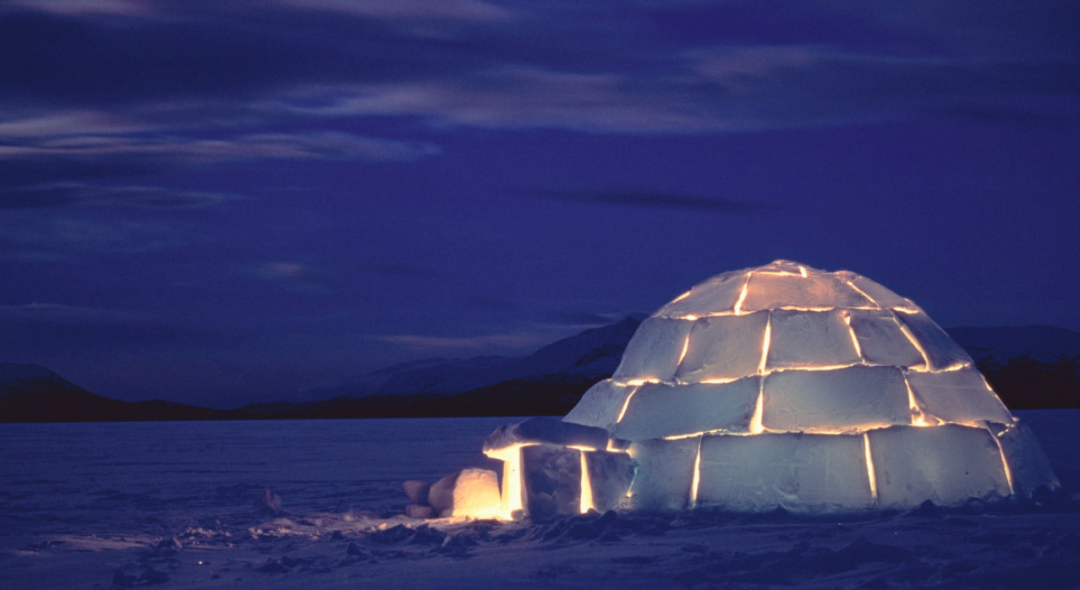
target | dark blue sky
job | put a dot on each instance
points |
(222, 202)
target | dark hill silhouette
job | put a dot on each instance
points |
(30, 393)
(1030, 367)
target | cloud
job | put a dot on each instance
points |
(80, 157)
(71, 194)
(296, 276)
(467, 345)
(29, 124)
(514, 97)
(538, 329)
(88, 7)
(467, 10)
(49, 237)
(43, 331)
(323, 145)
(684, 68)
(535, 315)
(580, 318)
(309, 146)
(709, 90)
(59, 314)
(630, 197)
(52, 326)
(187, 53)
(288, 271)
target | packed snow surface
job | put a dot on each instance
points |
(318, 504)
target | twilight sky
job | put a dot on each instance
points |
(223, 202)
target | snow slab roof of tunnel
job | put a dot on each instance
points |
(784, 385)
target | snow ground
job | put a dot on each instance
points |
(185, 505)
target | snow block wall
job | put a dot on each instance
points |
(787, 386)
(555, 467)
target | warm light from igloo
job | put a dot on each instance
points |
(511, 489)
(586, 485)
(870, 466)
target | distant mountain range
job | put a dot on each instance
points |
(546, 382)
(592, 354)
(1029, 367)
(29, 393)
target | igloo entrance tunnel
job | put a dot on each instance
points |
(777, 386)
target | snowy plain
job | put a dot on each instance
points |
(317, 504)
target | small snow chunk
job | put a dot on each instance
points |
(269, 502)
(841, 400)
(809, 339)
(417, 491)
(658, 410)
(420, 511)
(469, 492)
(723, 348)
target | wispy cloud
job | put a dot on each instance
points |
(580, 318)
(467, 10)
(221, 75)
(584, 67)
(56, 313)
(192, 150)
(466, 345)
(71, 194)
(34, 124)
(88, 7)
(65, 325)
(709, 90)
(52, 329)
(63, 238)
(297, 276)
(55, 154)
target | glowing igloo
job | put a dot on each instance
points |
(778, 386)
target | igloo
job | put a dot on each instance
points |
(780, 386)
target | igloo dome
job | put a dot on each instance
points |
(780, 386)
(787, 386)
